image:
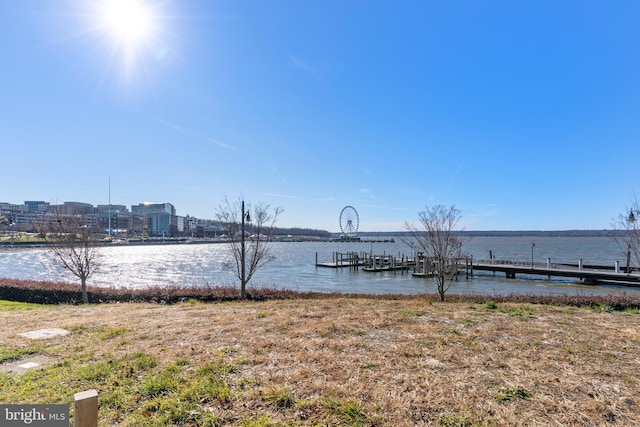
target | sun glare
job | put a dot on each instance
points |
(132, 30)
(129, 21)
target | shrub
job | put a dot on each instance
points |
(43, 292)
(280, 398)
(505, 394)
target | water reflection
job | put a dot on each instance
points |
(294, 266)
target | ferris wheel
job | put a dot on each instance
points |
(349, 221)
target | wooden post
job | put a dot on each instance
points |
(85, 409)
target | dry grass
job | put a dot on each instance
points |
(345, 361)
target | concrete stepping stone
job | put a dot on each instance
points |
(36, 362)
(44, 333)
(23, 365)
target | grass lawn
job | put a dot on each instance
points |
(333, 361)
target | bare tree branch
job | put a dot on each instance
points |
(437, 238)
(74, 246)
(250, 248)
(627, 233)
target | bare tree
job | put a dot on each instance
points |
(627, 233)
(250, 235)
(436, 236)
(74, 245)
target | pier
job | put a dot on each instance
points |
(421, 266)
(379, 263)
(588, 274)
(368, 261)
(376, 263)
(351, 260)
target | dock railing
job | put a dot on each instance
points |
(423, 266)
(588, 273)
(580, 265)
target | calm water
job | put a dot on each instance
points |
(294, 267)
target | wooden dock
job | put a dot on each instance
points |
(592, 274)
(378, 263)
(369, 262)
(420, 266)
(351, 260)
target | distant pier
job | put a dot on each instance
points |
(588, 274)
(421, 266)
(368, 261)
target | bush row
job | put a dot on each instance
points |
(44, 292)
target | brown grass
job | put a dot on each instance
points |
(359, 361)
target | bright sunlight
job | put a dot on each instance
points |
(129, 21)
(135, 34)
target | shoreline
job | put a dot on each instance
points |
(57, 293)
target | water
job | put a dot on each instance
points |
(294, 266)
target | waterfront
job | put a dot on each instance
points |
(294, 266)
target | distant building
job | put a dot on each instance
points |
(74, 208)
(147, 208)
(113, 208)
(159, 219)
(190, 225)
(162, 224)
(37, 206)
(116, 220)
(17, 215)
(10, 207)
(155, 219)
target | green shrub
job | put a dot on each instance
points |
(490, 305)
(349, 410)
(280, 398)
(505, 394)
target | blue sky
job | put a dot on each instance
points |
(523, 114)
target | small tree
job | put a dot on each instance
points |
(627, 233)
(250, 250)
(437, 238)
(75, 247)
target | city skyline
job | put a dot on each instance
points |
(523, 115)
(7, 212)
